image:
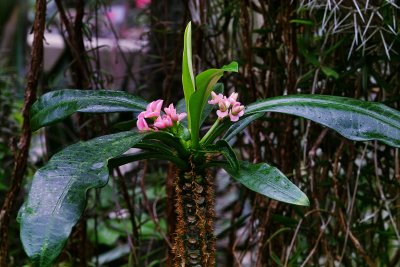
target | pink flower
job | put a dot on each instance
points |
(236, 111)
(141, 122)
(227, 106)
(163, 122)
(215, 99)
(224, 104)
(232, 98)
(153, 109)
(152, 120)
(171, 112)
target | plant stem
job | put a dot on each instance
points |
(209, 133)
(193, 239)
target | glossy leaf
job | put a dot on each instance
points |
(57, 105)
(221, 146)
(57, 196)
(268, 181)
(239, 126)
(354, 119)
(187, 67)
(205, 82)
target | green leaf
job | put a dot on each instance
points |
(302, 21)
(181, 106)
(268, 181)
(205, 82)
(329, 72)
(58, 193)
(238, 126)
(221, 146)
(187, 67)
(354, 119)
(57, 105)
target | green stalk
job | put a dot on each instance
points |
(209, 133)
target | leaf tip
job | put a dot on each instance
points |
(233, 67)
(303, 201)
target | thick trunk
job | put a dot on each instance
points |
(193, 239)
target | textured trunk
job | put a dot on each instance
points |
(193, 239)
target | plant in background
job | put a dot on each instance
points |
(366, 21)
(58, 194)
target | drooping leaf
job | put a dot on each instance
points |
(57, 196)
(57, 105)
(268, 181)
(187, 67)
(354, 119)
(221, 146)
(205, 82)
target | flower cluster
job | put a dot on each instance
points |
(153, 114)
(227, 106)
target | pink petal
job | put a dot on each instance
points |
(141, 123)
(163, 122)
(153, 109)
(181, 116)
(215, 99)
(233, 117)
(232, 98)
(159, 123)
(222, 114)
(171, 112)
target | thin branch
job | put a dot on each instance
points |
(22, 150)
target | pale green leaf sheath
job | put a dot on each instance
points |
(57, 105)
(268, 181)
(58, 193)
(354, 119)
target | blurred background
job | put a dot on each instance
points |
(343, 48)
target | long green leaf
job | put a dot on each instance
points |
(268, 181)
(57, 105)
(354, 119)
(221, 146)
(238, 127)
(187, 67)
(205, 82)
(58, 194)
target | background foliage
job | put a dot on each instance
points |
(345, 48)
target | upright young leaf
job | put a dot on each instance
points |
(354, 119)
(181, 106)
(205, 82)
(58, 193)
(268, 181)
(57, 105)
(187, 67)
